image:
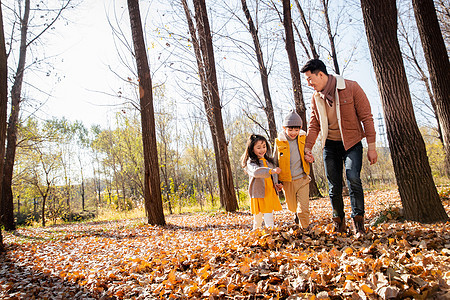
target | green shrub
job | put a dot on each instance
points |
(79, 216)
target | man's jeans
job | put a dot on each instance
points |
(334, 156)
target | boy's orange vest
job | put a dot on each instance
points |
(284, 157)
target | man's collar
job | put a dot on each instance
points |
(340, 82)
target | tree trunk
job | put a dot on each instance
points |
(165, 176)
(152, 190)
(301, 40)
(296, 82)
(124, 195)
(68, 197)
(293, 63)
(167, 185)
(2, 247)
(330, 36)
(82, 195)
(229, 196)
(426, 82)
(99, 187)
(18, 201)
(313, 189)
(99, 192)
(307, 30)
(205, 96)
(82, 190)
(7, 204)
(3, 106)
(424, 78)
(418, 193)
(438, 66)
(44, 200)
(268, 109)
(67, 187)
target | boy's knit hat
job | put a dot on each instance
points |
(292, 119)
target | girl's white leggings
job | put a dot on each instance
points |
(268, 220)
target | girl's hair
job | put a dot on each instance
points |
(249, 154)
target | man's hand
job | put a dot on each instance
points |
(309, 157)
(372, 155)
(278, 187)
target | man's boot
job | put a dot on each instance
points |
(339, 225)
(358, 225)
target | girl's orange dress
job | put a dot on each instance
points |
(270, 202)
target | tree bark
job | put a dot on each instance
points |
(296, 82)
(7, 204)
(3, 106)
(424, 78)
(307, 30)
(152, 190)
(438, 66)
(418, 193)
(205, 96)
(229, 196)
(330, 36)
(293, 63)
(44, 200)
(314, 191)
(268, 109)
(2, 247)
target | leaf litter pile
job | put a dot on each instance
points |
(217, 256)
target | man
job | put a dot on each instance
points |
(341, 110)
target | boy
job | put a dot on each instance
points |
(289, 154)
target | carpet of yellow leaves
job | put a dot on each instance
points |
(216, 256)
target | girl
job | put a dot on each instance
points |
(260, 169)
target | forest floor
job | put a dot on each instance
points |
(217, 256)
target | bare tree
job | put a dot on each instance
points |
(6, 203)
(307, 29)
(49, 163)
(3, 105)
(293, 63)
(325, 4)
(438, 66)
(411, 56)
(152, 190)
(443, 14)
(228, 195)
(205, 94)
(268, 109)
(418, 193)
(95, 130)
(296, 81)
(7, 206)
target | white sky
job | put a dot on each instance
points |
(86, 50)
